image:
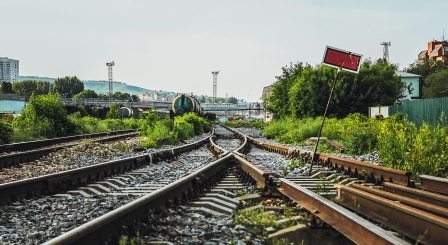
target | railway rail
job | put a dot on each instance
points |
(364, 193)
(29, 151)
(31, 145)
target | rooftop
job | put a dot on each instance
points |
(406, 74)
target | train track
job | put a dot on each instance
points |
(365, 195)
(18, 153)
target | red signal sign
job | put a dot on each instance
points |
(339, 58)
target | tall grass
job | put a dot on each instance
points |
(400, 144)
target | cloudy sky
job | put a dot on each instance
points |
(175, 45)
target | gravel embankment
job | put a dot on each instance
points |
(81, 155)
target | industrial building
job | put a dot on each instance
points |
(9, 70)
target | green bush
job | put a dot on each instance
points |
(245, 124)
(44, 117)
(159, 134)
(199, 123)
(183, 129)
(6, 132)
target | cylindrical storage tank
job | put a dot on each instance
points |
(126, 112)
(183, 104)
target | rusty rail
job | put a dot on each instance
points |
(100, 229)
(352, 226)
(8, 160)
(414, 223)
(417, 194)
(61, 181)
(355, 168)
(29, 145)
(258, 174)
(432, 183)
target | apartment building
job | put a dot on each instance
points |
(9, 70)
(437, 50)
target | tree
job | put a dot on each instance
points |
(6, 88)
(6, 131)
(426, 67)
(45, 116)
(135, 98)
(436, 85)
(86, 94)
(68, 86)
(121, 96)
(232, 100)
(303, 91)
(29, 86)
(279, 99)
(103, 96)
(113, 112)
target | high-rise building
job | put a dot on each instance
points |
(9, 70)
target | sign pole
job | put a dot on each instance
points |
(323, 120)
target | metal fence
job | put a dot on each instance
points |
(419, 111)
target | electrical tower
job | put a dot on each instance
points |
(386, 51)
(215, 85)
(109, 66)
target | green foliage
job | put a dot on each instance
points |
(426, 67)
(290, 131)
(28, 87)
(245, 124)
(293, 165)
(302, 91)
(199, 123)
(122, 96)
(184, 129)
(67, 86)
(113, 112)
(232, 100)
(86, 94)
(6, 131)
(160, 134)
(436, 85)
(6, 88)
(256, 220)
(82, 110)
(400, 144)
(44, 117)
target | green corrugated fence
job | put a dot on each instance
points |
(419, 111)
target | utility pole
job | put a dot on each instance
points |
(215, 85)
(109, 66)
(386, 51)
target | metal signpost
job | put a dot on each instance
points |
(342, 60)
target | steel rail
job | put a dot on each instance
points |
(421, 226)
(258, 174)
(432, 183)
(417, 194)
(243, 145)
(99, 229)
(424, 206)
(352, 226)
(28, 145)
(56, 182)
(218, 149)
(8, 160)
(379, 173)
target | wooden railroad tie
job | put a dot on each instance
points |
(335, 145)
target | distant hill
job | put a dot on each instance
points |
(101, 87)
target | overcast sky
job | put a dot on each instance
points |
(175, 45)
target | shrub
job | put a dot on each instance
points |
(44, 117)
(183, 129)
(6, 132)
